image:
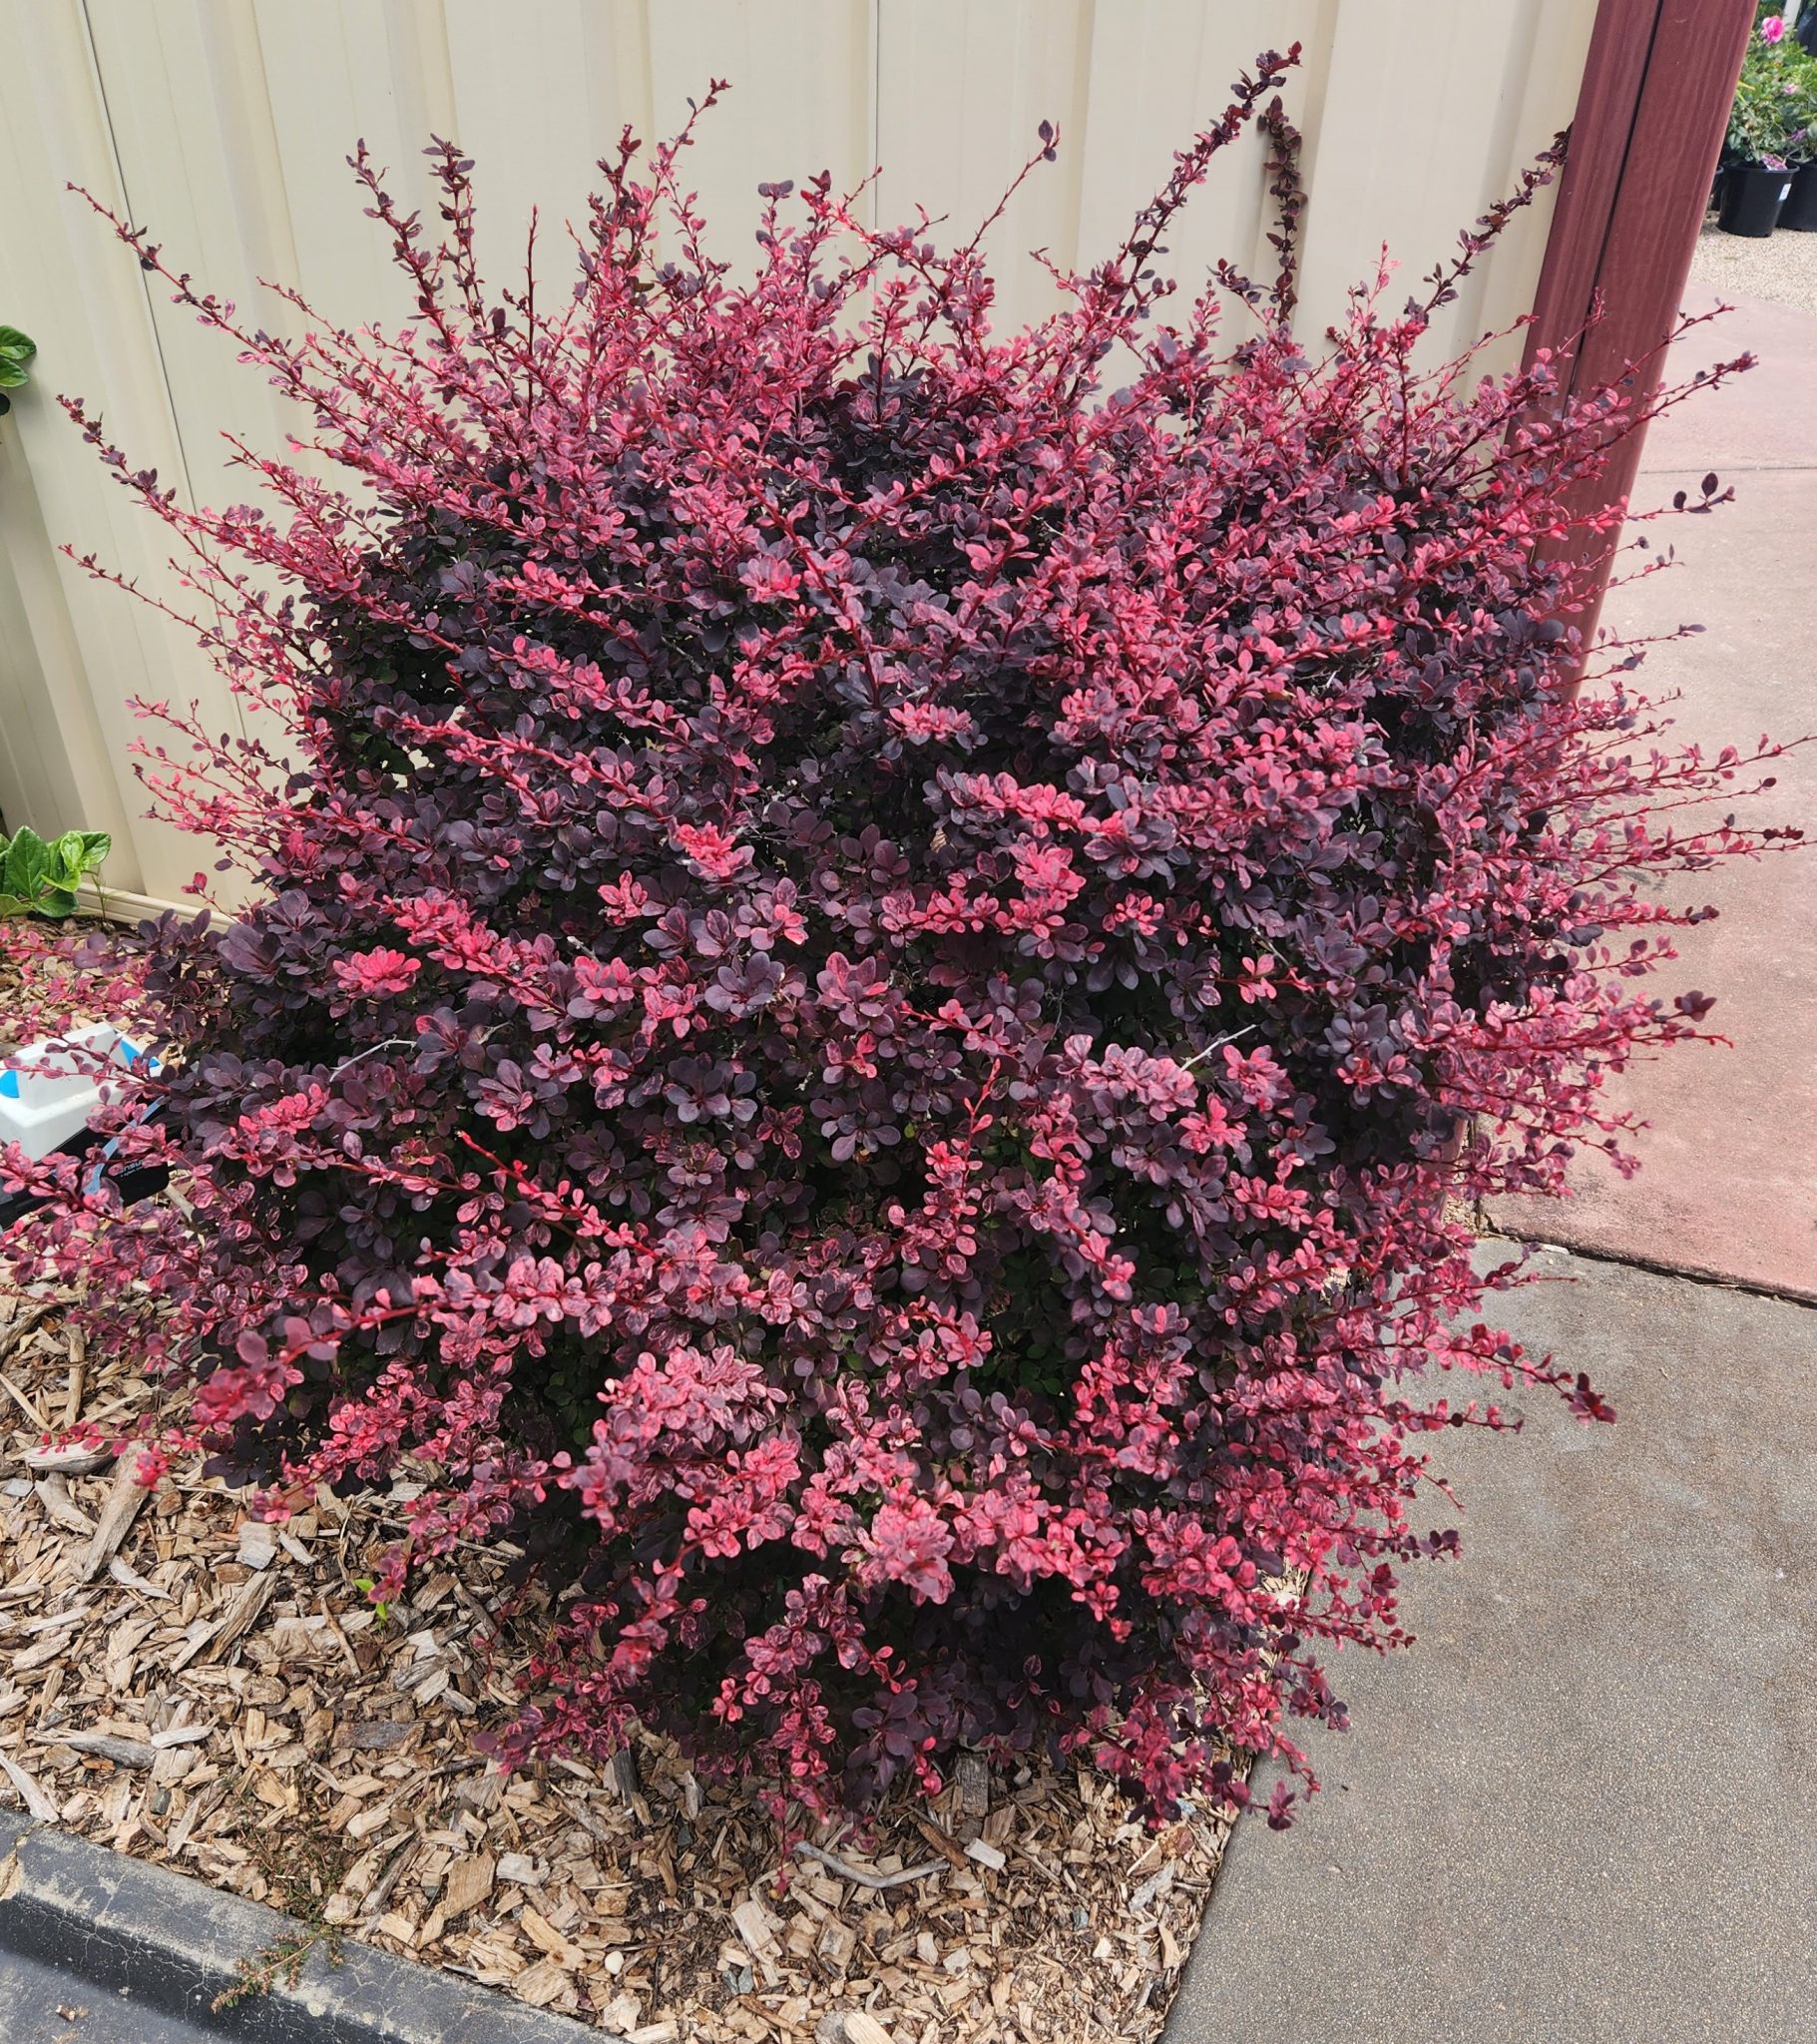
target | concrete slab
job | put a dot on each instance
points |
(1581, 1810)
(1729, 1184)
(1766, 419)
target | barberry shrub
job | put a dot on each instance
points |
(877, 975)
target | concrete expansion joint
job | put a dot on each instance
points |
(1728, 468)
(1663, 1266)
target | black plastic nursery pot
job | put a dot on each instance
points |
(1799, 213)
(136, 1181)
(1751, 198)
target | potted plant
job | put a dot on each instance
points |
(1799, 212)
(1764, 128)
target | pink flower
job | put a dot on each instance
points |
(1772, 29)
(376, 972)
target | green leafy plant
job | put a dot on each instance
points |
(1800, 97)
(1775, 101)
(16, 351)
(39, 877)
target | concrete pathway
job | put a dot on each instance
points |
(1582, 1808)
(1729, 1184)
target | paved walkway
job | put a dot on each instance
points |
(1729, 1184)
(1582, 1808)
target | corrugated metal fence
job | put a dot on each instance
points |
(222, 124)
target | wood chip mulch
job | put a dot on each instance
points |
(183, 1683)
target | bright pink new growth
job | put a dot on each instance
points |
(881, 969)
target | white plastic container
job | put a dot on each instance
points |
(49, 1093)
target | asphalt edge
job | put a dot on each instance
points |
(145, 1936)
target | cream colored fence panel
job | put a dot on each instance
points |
(224, 125)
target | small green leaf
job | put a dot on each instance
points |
(27, 862)
(76, 855)
(66, 857)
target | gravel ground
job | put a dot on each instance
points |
(1782, 268)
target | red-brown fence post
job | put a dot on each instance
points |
(1645, 143)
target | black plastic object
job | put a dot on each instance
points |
(1751, 198)
(1799, 213)
(133, 1182)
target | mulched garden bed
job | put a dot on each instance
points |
(183, 1683)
